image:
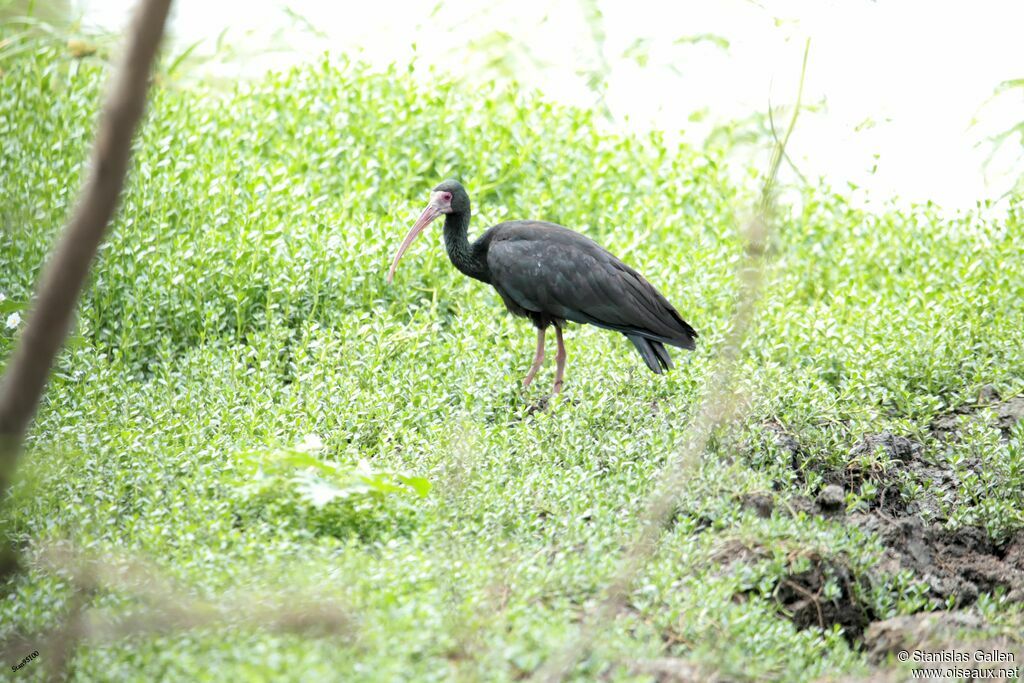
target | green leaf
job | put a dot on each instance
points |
(10, 306)
(419, 484)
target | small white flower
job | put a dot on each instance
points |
(3, 297)
(311, 443)
(321, 494)
(13, 320)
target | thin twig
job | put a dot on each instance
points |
(813, 598)
(775, 137)
(716, 406)
(29, 367)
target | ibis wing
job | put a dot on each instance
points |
(553, 270)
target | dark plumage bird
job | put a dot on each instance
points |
(551, 275)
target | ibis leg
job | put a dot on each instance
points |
(538, 358)
(559, 361)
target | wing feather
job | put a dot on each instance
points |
(552, 270)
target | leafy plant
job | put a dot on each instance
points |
(241, 301)
(320, 482)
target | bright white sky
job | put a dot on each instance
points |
(903, 89)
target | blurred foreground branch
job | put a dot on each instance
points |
(164, 608)
(717, 405)
(62, 281)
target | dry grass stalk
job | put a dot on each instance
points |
(717, 406)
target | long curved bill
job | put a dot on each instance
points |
(428, 215)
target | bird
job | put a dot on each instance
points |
(553, 275)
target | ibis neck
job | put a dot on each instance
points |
(460, 251)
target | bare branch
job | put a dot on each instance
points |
(29, 367)
(717, 405)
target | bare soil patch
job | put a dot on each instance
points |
(958, 565)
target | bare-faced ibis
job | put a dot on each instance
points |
(551, 275)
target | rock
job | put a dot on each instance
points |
(915, 631)
(762, 504)
(1010, 413)
(832, 498)
(798, 504)
(898, 447)
(988, 394)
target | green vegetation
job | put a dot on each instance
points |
(238, 313)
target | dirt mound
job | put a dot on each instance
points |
(937, 482)
(931, 632)
(802, 597)
(1007, 413)
(946, 641)
(823, 592)
(675, 670)
(957, 565)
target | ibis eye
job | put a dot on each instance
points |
(447, 196)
